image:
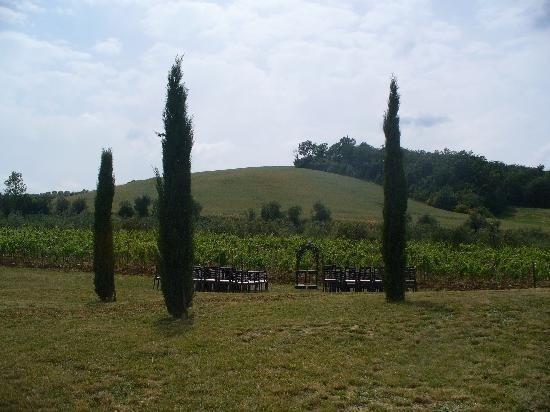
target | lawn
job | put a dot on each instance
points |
(281, 350)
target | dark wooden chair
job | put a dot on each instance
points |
(349, 280)
(365, 280)
(330, 283)
(378, 278)
(410, 278)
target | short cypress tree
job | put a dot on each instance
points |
(175, 204)
(395, 202)
(104, 261)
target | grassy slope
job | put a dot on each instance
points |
(231, 192)
(281, 350)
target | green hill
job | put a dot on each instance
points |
(231, 192)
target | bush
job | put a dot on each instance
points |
(293, 214)
(271, 211)
(320, 212)
(141, 205)
(62, 205)
(125, 210)
(79, 205)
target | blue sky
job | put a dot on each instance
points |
(77, 76)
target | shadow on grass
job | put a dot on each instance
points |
(172, 327)
(430, 306)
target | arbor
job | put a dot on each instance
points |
(175, 204)
(104, 260)
(141, 205)
(395, 202)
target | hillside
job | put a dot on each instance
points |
(231, 192)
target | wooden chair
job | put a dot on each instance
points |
(365, 280)
(378, 278)
(330, 283)
(410, 278)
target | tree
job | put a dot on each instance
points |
(395, 202)
(175, 206)
(320, 213)
(271, 211)
(125, 209)
(104, 260)
(14, 185)
(197, 209)
(141, 205)
(62, 205)
(15, 194)
(294, 213)
(79, 205)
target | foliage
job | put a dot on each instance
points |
(320, 212)
(62, 205)
(197, 209)
(141, 205)
(446, 179)
(441, 263)
(294, 213)
(78, 206)
(175, 210)
(271, 211)
(104, 261)
(125, 210)
(15, 185)
(395, 202)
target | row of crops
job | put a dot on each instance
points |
(437, 263)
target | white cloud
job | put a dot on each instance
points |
(110, 46)
(263, 76)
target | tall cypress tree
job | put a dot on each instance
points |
(104, 261)
(395, 202)
(175, 205)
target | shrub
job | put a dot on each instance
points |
(125, 210)
(320, 212)
(271, 211)
(78, 206)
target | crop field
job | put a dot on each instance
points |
(439, 265)
(281, 350)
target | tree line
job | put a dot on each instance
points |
(459, 181)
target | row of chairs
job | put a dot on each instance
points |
(371, 279)
(229, 279)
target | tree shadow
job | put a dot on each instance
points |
(171, 327)
(430, 306)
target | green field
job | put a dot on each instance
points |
(231, 192)
(280, 350)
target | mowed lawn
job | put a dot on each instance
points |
(281, 350)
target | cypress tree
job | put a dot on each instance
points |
(395, 202)
(175, 204)
(104, 261)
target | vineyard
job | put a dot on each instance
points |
(439, 264)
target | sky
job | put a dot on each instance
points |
(78, 76)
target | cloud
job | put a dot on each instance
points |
(11, 16)
(110, 46)
(263, 76)
(425, 120)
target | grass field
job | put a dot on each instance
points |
(281, 350)
(231, 192)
